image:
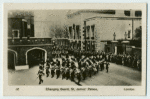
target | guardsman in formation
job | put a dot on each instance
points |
(57, 68)
(40, 74)
(47, 69)
(53, 69)
(72, 71)
(78, 73)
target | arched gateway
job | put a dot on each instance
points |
(35, 55)
(12, 57)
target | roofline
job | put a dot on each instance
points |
(92, 11)
(125, 18)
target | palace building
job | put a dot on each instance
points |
(30, 38)
(105, 30)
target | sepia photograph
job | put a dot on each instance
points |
(75, 47)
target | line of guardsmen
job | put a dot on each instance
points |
(129, 60)
(81, 64)
(73, 66)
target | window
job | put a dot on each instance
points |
(92, 27)
(77, 31)
(70, 30)
(127, 13)
(138, 13)
(15, 33)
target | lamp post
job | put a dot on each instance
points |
(125, 35)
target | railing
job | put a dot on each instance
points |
(30, 41)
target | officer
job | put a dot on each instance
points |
(40, 74)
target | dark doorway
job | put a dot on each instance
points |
(35, 57)
(107, 48)
(11, 60)
(119, 50)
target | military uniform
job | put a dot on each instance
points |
(78, 73)
(47, 70)
(40, 73)
(57, 68)
(52, 69)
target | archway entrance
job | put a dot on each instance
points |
(11, 59)
(35, 55)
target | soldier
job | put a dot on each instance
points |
(107, 58)
(78, 73)
(83, 70)
(107, 66)
(40, 74)
(72, 71)
(47, 69)
(57, 68)
(67, 74)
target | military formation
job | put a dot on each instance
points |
(78, 65)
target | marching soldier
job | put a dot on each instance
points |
(40, 74)
(47, 69)
(67, 74)
(83, 71)
(72, 72)
(57, 71)
(53, 69)
(78, 73)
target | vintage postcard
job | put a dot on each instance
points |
(74, 49)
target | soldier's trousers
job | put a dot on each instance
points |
(84, 75)
(107, 70)
(90, 73)
(67, 75)
(72, 77)
(47, 73)
(40, 79)
(52, 73)
(63, 75)
(57, 73)
(79, 78)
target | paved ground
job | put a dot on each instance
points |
(118, 75)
